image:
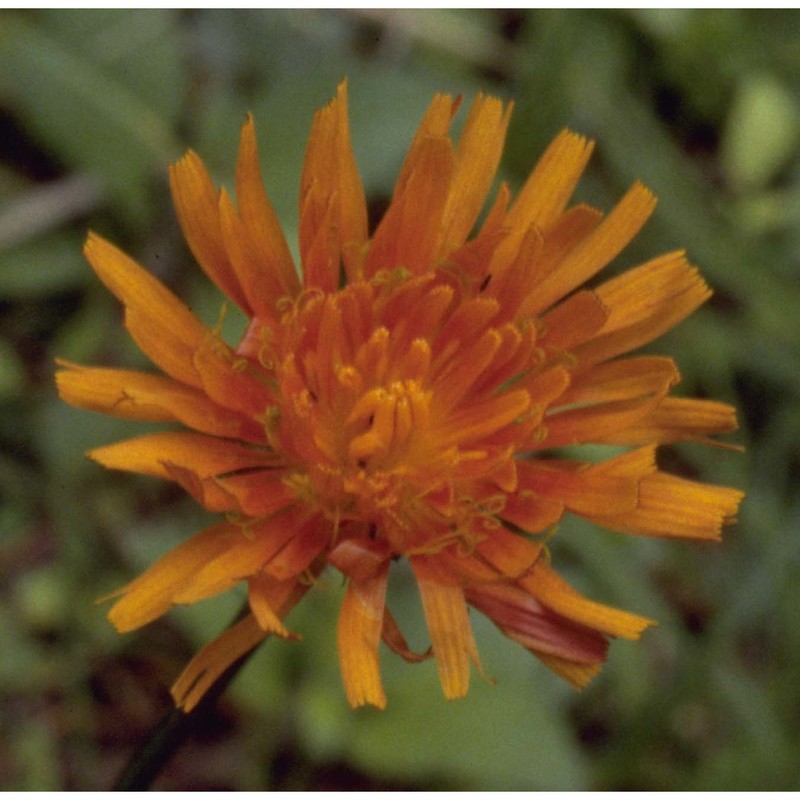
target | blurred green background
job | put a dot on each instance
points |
(703, 106)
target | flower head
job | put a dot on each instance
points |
(406, 395)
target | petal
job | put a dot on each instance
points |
(393, 638)
(572, 322)
(161, 324)
(476, 160)
(360, 559)
(152, 594)
(555, 593)
(599, 248)
(623, 379)
(257, 493)
(510, 554)
(675, 507)
(196, 203)
(265, 595)
(409, 234)
(435, 124)
(234, 381)
(308, 540)
(642, 304)
(332, 202)
(203, 455)
(352, 221)
(318, 242)
(154, 398)
(260, 220)
(578, 675)
(676, 419)
(594, 423)
(482, 419)
(448, 626)
(583, 489)
(558, 239)
(246, 554)
(358, 636)
(260, 281)
(531, 512)
(209, 664)
(551, 184)
(525, 620)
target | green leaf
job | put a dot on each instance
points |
(88, 115)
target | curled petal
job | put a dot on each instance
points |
(537, 628)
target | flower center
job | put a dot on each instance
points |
(393, 409)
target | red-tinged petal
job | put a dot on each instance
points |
(673, 507)
(258, 493)
(161, 325)
(448, 627)
(209, 664)
(599, 248)
(466, 323)
(152, 594)
(260, 220)
(525, 620)
(358, 638)
(456, 380)
(203, 455)
(510, 281)
(554, 592)
(154, 398)
(196, 204)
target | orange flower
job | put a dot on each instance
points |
(406, 398)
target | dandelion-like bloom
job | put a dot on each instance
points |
(405, 395)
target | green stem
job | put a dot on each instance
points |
(175, 727)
